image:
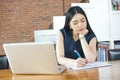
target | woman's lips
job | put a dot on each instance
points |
(81, 29)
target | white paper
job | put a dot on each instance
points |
(91, 65)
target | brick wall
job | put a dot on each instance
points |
(19, 18)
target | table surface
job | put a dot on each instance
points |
(103, 73)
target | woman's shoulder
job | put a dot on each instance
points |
(63, 31)
(89, 36)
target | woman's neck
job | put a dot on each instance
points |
(75, 36)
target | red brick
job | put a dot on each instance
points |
(19, 18)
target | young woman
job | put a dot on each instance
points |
(76, 42)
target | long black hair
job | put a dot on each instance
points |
(71, 12)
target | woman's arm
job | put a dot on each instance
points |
(60, 54)
(60, 51)
(89, 49)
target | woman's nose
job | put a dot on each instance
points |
(79, 25)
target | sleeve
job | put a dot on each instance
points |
(90, 36)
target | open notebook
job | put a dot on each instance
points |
(91, 65)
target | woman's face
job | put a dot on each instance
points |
(78, 23)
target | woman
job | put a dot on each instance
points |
(76, 42)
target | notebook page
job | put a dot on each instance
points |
(91, 65)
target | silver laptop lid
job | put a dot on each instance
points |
(32, 58)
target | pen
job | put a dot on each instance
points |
(77, 53)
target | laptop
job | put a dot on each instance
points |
(32, 58)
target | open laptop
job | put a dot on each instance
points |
(32, 58)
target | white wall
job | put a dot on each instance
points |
(58, 22)
(114, 23)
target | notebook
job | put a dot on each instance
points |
(96, 64)
(32, 58)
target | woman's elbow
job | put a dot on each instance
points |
(93, 59)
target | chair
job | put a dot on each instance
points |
(45, 36)
(113, 54)
(3, 62)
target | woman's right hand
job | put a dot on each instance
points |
(80, 62)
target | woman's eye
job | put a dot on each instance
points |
(82, 20)
(74, 23)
